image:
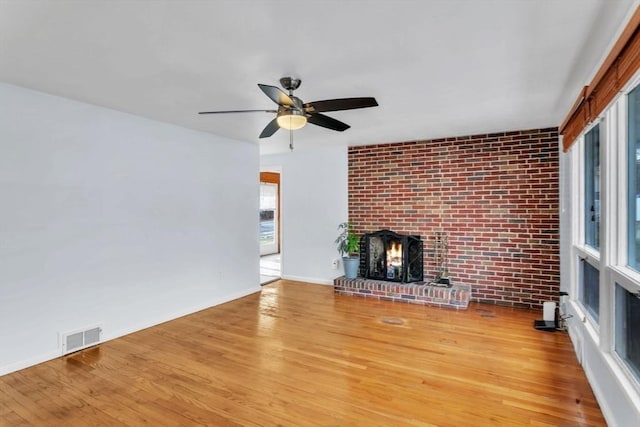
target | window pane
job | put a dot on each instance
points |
(633, 181)
(628, 328)
(590, 290)
(592, 187)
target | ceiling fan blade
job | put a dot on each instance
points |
(238, 111)
(339, 104)
(327, 122)
(270, 129)
(277, 96)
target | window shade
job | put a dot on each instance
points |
(620, 65)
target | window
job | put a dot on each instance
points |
(601, 228)
(633, 180)
(605, 237)
(627, 329)
(590, 289)
(592, 187)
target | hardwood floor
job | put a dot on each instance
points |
(295, 354)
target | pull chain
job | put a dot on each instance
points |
(291, 139)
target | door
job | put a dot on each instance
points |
(269, 213)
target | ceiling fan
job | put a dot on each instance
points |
(293, 114)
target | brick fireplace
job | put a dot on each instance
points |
(391, 269)
(390, 256)
(495, 195)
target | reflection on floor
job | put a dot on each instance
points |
(269, 268)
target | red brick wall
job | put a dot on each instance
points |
(495, 195)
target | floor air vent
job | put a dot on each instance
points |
(74, 341)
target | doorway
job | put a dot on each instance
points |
(269, 226)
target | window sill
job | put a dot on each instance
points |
(626, 277)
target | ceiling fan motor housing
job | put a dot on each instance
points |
(290, 83)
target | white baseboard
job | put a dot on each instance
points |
(22, 364)
(205, 305)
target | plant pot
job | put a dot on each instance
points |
(351, 265)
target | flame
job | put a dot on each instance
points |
(394, 254)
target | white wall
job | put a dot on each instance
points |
(314, 201)
(108, 218)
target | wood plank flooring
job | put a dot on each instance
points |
(296, 355)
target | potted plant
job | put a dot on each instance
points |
(348, 243)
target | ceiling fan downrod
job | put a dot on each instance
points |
(290, 84)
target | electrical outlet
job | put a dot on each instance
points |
(335, 263)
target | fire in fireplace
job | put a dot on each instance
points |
(386, 255)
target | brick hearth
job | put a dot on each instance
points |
(457, 296)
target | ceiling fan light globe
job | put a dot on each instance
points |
(291, 121)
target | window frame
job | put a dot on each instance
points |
(619, 271)
(631, 285)
(583, 252)
(618, 263)
(611, 105)
(611, 259)
(595, 180)
(623, 184)
(595, 264)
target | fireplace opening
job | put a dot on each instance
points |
(390, 256)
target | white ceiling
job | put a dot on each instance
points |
(437, 67)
